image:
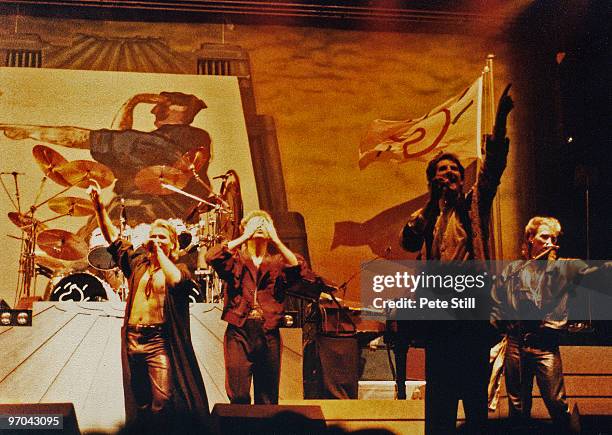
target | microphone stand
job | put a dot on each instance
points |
(344, 285)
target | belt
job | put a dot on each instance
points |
(255, 314)
(537, 339)
(146, 328)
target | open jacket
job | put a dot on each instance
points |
(244, 279)
(189, 394)
(474, 211)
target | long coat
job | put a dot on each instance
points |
(189, 394)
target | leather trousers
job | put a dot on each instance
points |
(535, 355)
(150, 370)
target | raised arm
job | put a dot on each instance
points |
(109, 231)
(171, 271)
(289, 256)
(124, 119)
(67, 136)
(497, 147)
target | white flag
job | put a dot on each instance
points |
(453, 127)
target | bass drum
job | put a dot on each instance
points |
(195, 295)
(81, 286)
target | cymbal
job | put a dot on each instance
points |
(62, 244)
(196, 157)
(150, 179)
(72, 205)
(49, 161)
(79, 172)
(24, 221)
(49, 262)
(55, 264)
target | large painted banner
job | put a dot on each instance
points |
(124, 123)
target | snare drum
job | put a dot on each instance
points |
(195, 295)
(80, 286)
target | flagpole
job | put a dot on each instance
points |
(496, 210)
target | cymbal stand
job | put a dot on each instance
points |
(26, 276)
(208, 188)
(36, 206)
(27, 264)
(123, 233)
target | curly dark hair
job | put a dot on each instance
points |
(433, 163)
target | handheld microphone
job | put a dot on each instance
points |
(123, 213)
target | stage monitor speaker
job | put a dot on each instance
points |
(65, 410)
(267, 419)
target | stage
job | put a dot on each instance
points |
(71, 353)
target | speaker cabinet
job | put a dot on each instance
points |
(66, 410)
(267, 419)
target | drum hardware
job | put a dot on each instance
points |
(58, 244)
(210, 284)
(79, 173)
(175, 189)
(224, 211)
(218, 213)
(192, 162)
(44, 271)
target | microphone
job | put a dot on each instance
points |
(123, 214)
(13, 173)
(122, 219)
(221, 177)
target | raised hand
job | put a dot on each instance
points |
(252, 226)
(504, 107)
(94, 192)
(269, 227)
(438, 184)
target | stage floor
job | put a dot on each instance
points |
(72, 354)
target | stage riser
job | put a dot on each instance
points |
(72, 354)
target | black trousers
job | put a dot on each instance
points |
(151, 372)
(252, 353)
(536, 356)
(456, 367)
(400, 351)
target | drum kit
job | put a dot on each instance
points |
(85, 271)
